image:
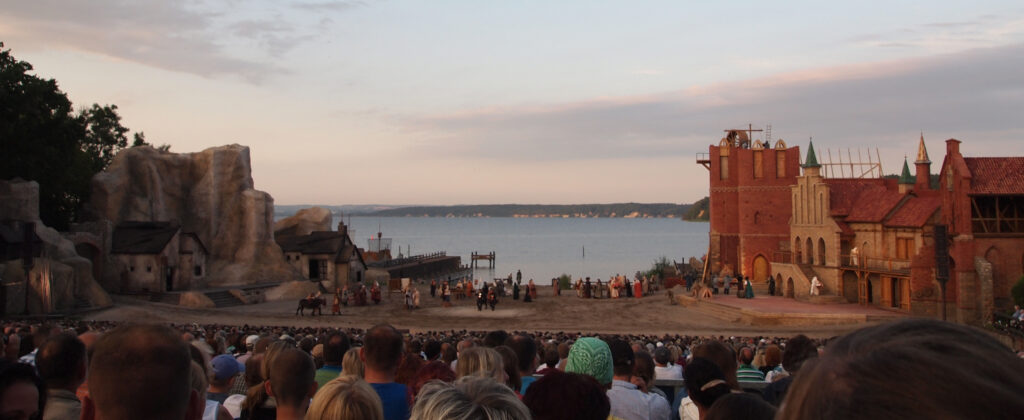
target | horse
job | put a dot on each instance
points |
(315, 305)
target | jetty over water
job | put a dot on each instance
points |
(420, 266)
(477, 256)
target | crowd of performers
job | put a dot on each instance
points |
(617, 286)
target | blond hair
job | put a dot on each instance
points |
(346, 398)
(469, 398)
(481, 361)
(351, 364)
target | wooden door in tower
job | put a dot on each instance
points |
(760, 270)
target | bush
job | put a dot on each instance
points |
(1017, 292)
(565, 282)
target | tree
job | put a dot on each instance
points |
(43, 140)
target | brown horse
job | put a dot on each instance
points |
(315, 305)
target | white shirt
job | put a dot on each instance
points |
(668, 372)
(629, 403)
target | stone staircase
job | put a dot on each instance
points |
(168, 298)
(223, 299)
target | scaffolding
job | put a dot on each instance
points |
(850, 167)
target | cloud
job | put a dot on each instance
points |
(975, 94)
(206, 39)
(329, 6)
(939, 37)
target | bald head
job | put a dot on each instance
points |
(130, 357)
(382, 348)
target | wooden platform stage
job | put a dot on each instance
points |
(780, 311)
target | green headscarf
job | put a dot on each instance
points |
(591, 356)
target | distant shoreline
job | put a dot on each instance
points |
(690, 212)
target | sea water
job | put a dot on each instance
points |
(542, 248)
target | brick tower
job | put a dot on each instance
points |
(750, 203)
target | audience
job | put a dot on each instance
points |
(628, 402)
(22, 393)
(61, 363)
(915, 368)
(742, 405)
(468, 398)
(705, 383)
(334, 353)
(926, 368)
(567, 396)
(127, 357)
(664, 368)
(381, 353)
(347, 397)
(291, 383)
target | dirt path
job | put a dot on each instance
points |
(650, 315)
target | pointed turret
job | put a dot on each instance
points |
(922, 152)
(906, 181)
(812, 159)
(923, 167)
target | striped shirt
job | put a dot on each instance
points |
(748, 373)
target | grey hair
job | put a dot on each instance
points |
(468, 398)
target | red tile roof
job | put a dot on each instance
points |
(843, 193)
(915, 212)
(996, 175)
(873, 205)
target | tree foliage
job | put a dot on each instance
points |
(43, 139)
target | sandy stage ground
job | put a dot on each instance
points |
(650, 315)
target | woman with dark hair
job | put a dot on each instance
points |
(511, 363)
(740, 405)
(705, 383)
(568, 396)
(915, 368)
(22, 393)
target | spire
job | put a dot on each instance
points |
(905, 177)
(922, 152)
(812, 159)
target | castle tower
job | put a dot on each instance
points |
(923, 167)
(811, 165)
(906, 183)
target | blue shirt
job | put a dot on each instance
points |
(527, 380)
(394, 396)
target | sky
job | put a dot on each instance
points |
(488, 102)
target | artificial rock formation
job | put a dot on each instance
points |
(304, 222)
(209, 193)
(60, 280)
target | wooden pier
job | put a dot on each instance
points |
(477, 256)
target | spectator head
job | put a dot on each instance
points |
(892, 370)
(464, 344)
(772, 355)
(798, 350)
(705, 382)
(253, 375)
(510, 361)
(291, 380)
(352, 364)
(346, 398)
(526, 352)
(432, 349)
(481, 361)
(495, 338)
(61, 362)
(262, 344)
(643, 367)
(560, 395)
(382, 349)
(623, 358)
(250, 342)
(335, 347)
(662, 356)
(449, 355)
(563, 350)
(591, 356)
(431, 371)
(722, 356)
(745, 355)
(129, 356)
(741, 405)
(408, 367)
(22, 393)
(198, 382)
(225, 367)
(468, 398)
(551, 356)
